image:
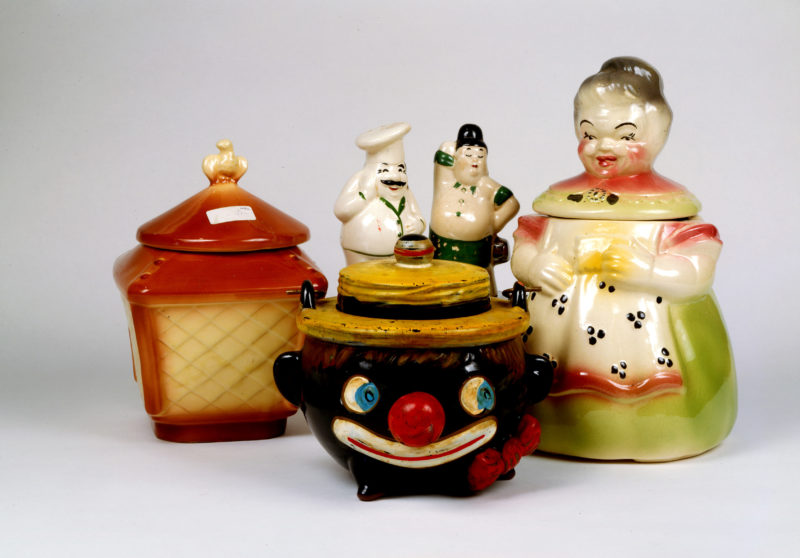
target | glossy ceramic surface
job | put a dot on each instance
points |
(469, 207)
(376, 206)
(644, 367)
(224, 217)
(424, 404)
(211, 300)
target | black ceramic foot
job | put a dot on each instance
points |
(364, 475)
(367, 494)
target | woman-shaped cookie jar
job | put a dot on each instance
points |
(644, 369)
(469, 207)
(376, 206)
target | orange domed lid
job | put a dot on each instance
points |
(223, 217)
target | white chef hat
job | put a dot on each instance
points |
(384, 144)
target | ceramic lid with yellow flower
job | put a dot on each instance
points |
(622, 121)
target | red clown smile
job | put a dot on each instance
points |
(448, 449)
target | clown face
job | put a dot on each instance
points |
(421, 420)
(618, 134)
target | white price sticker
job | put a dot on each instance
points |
(232, 213)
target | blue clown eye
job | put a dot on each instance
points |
(485, 397)
(367, 396)
(477, 396)
(360, 395)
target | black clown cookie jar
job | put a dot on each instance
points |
(414, 378)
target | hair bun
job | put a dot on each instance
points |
(639, 68)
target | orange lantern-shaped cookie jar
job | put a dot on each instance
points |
(211, 296)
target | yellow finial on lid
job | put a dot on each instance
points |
(224, 166)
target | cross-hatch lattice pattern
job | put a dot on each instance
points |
(218, 358)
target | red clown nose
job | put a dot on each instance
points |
(416, 419)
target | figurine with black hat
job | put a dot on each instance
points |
(469, 207)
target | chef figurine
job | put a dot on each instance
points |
(469, 208)
(643, 366)
(376, 206)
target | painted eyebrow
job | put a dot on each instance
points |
(582, 121)
(626, 124)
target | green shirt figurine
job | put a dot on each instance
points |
(469, 207)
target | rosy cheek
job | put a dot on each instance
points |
(585, 145)
(637, 152)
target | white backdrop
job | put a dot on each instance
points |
(107, 109)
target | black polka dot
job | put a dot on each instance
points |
(622, 374)
(592, 340)
(630, 317)
(590, 330)
(555, 301)
(640, 315)
(529, 330)
(524, 338)
(560, 310)
(601, 334)
(611, 289)
(664, 351)
(659, 299)
(637, 324)
(623, 364)
(614, 369)
(602, 284)
(669, 362)
(563, 298)
(661, 360)
(533, 295)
